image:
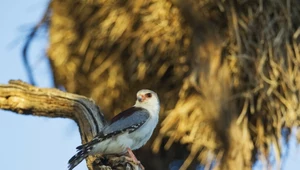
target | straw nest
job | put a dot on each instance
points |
(226, 71)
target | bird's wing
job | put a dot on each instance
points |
(127, 121)
(126, 113)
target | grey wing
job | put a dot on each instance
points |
(129, 123)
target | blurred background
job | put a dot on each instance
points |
(227, 73)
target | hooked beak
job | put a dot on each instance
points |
(140, 98)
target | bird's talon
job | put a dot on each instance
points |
(128, 159)
(141, 166)
(136, 162)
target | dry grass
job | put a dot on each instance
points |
(256, 88)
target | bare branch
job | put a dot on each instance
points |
(23, 98)
(44, 21)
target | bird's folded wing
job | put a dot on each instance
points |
(126, 121)
(129, 119)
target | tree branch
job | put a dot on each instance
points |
(23, 98)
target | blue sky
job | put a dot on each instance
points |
(38, 143)
(28, 142)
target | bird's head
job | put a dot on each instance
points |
(147, 99)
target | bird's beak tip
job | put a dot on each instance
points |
(140, 98)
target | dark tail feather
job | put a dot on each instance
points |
(76, 159)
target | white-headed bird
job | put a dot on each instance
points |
(127, 131)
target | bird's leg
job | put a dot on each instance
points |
(132, 156)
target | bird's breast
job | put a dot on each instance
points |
(143, 134)
(114, 145)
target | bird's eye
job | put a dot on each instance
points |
(148, 95)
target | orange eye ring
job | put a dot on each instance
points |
(148, 95)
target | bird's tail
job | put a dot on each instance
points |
(76, 159)
(83, 151)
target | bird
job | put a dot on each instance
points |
(129, 130)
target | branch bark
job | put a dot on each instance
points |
(22, 98)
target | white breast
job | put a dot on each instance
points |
(114, 145)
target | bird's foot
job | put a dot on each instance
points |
(134, 160)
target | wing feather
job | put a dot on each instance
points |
(126, 121)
